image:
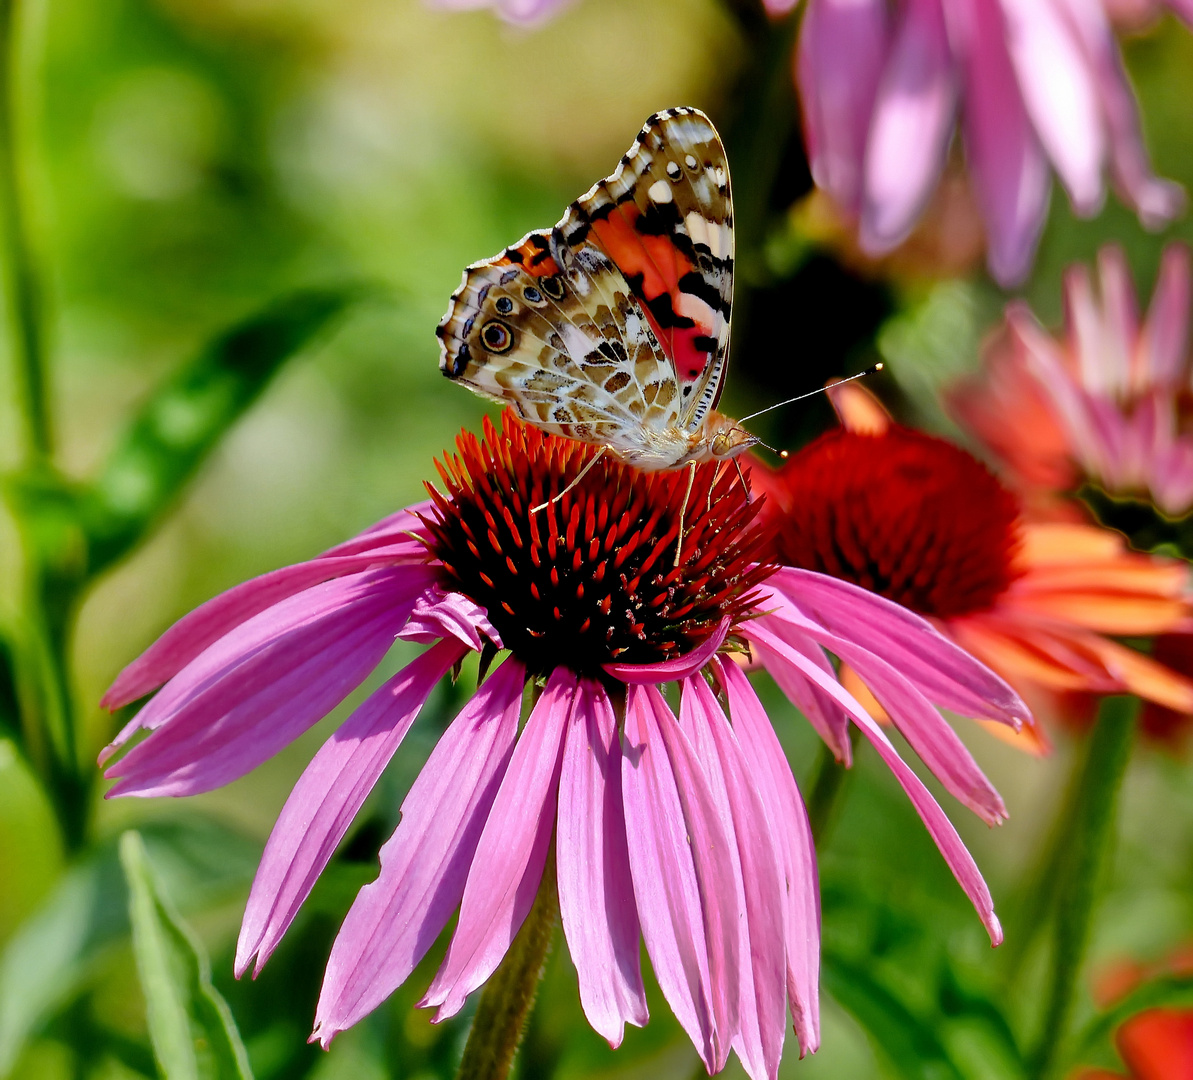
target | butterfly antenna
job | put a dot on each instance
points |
(811, 393)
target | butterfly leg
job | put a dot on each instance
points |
(742, 477)
(683, 510)
(579, 476)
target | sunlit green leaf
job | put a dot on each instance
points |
(194, 1035)
(51, 958)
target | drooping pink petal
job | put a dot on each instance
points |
(424, 865)
(194, 632)
(596, 892)
(508, 866)
(683, 879)
(830, 723)
(944, 673)
(929, 734)
(1060, 96)
(839, 59)
(263, 684)
(757, 864)
(439, 613)
(1156, 201)
(669, 670)
(912, 126)
(324, 802)
(1009, 172)
(767, 765)
(1165, 341)
(959, 860)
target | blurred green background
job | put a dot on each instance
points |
(189, 160)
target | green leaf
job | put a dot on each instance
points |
(194, 1036)
(908, 1042)
(188, 415)
(55, 953)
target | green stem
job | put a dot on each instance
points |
(828, 787)
(1091, 836)
(24, 292)
(508, 996)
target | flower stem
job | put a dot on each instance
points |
(828, 785)
(1090, 838)
(508, 996)
(24, 292)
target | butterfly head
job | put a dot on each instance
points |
(724, 438)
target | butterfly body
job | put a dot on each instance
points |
(613, 327)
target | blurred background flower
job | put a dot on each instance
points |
(922, 522)
(1034, 87)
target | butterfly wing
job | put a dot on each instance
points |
(558, 335)
(665, 217)
(614, 325)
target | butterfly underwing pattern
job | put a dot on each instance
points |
(613, 327)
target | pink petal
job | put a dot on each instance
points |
(193, 633)
(424, 865)
(1165, 344)
(1057, 84)
(668, 670)
(831, 724)
(683, 878)
(505, 874)
(838, 62)
(959, 860)
(1120, 311)
(326, 799)
(596, 892)
(263, 684)
(1009, 173)
(439, 613)
(792, 835)
(396, 528)
(1156, 201)
(943, 672)
(911, 129)
(930, 736)
(761, 888)
(1183, 8)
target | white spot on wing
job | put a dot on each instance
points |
(659, 191)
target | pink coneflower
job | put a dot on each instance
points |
(924, 523)
(1111, 402)
(1033, 84)
(688, 831)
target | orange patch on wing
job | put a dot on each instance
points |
(661, 265)
(535, 260)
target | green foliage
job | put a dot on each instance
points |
(55, 954)
(194, 1035)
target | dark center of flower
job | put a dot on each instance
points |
(591, 578)
(906, 515)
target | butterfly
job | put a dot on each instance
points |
(613, 327)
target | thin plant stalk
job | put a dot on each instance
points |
(24, 299)
(1091, 835)
(508, 996)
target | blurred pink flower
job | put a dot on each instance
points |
(689, 831)
(519, 12)
(1111, 401)
(1032, 83)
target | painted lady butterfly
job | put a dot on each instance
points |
(613, 327)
